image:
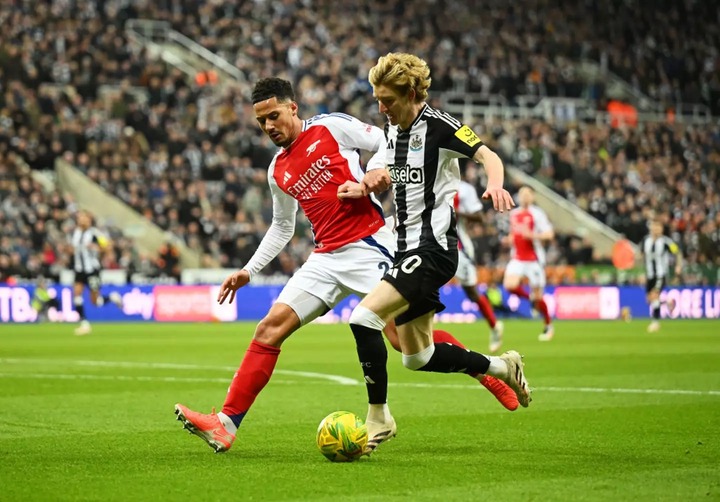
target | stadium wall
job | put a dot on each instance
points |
(167, 303)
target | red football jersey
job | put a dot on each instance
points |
(522, 220)
(310, 170)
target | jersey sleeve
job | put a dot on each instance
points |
(671, 246)
(541, 221)
(352, 133)
(458, 137)
(281, 229)
(469, 202)
(100, 238)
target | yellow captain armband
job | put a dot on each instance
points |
(102, 242)
(673, 248)
(467, 136)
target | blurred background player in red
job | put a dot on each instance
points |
(468, 207)
(529, 229)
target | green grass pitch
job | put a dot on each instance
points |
(618, 414)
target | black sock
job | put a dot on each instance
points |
(449, 358)
(373, 359)
(80, 309)
(656, 312)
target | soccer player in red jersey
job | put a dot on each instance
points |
(353, 248)
(529, 228)
(468, 208)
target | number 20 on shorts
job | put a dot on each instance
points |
(408, 265)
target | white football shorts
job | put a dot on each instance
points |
(467, 271)
(326, 278)
(533, 270)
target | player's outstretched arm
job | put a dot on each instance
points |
(675, 250)
(496, 177)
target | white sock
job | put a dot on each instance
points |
(498, 367)
(227, 423)
(100, 301)
(379, 413)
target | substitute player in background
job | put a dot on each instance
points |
(353, 248)
(421, 152)
(656, 249)
(88, 242)
(529, 229)
(469, 208)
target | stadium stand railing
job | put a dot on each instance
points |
(567, 217)
(179, 50)
(618, 88)
(111, 210)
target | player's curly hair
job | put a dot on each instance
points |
(272, 87)
(402, 72)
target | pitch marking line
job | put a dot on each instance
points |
(336, 379)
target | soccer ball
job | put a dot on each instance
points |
(342, 436)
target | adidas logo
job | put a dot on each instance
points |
(286, 177)
(312, 147)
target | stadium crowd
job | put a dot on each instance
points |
(191, 159)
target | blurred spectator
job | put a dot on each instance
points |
(168, 261)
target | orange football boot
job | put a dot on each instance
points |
(501, 391)
(207, 427)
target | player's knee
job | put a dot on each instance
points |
(363, 316)
(416, 361)
(272, 331)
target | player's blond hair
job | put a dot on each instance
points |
(401, 72)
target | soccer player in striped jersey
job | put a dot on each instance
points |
(421, 152)
(88, 242)
(529, 229)
(354, 246)
(656, 249)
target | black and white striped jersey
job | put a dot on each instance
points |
(425, 173)
(657, 255)
(87, 257)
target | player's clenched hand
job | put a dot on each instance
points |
(351, 190)
(377, 180)
(231, 284)
(501, 198)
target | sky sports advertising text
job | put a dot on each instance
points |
(164, 303)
